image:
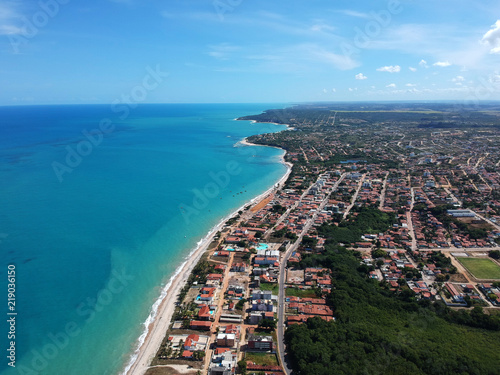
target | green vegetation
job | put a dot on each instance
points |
(278, 208)
(268, 324)
(262, 359)
(367, 220)
(283, 233)
(382, 332)
(273, 287)
(199, 274)
(309, 242)
(481, 268)
(301, 293)
(240, 304)
(242, 366)
(495, 254)
(440, 214)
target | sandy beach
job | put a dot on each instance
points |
(159, 326)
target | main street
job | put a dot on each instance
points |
(282, 275)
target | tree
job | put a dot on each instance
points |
(495, 254)
(268, 323)
(240, 304)
(242, 365)
(378, 253)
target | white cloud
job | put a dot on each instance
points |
(322, 28)
(442, 64)
(410, 85)
(9, 16)
(340, 61)
(222, 51)
(492, 38)
(352, 89)
(423, 63)
(391, 86)
(458, 79)
(390, 69)
(334, 90)
(360, 76)
(354, 13)
(412, 69)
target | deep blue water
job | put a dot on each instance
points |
(96, 222)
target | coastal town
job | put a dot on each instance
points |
(415, 201)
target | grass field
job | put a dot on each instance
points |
(301, 293)
(262, 359)
(273, 287)
(481, 268)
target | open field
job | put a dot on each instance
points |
(262, 359)
(301, 293)
(273, 287)
(481, 268)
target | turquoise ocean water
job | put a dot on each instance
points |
(96, 221)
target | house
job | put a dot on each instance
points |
(207, 294)
(204, 313)
(191, 342)
(239, 267)
(214, 277)
(223, 364)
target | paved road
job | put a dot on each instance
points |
(355, 196)
(382, 193)
(282, 275)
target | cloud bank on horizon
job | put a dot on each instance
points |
(63, 51)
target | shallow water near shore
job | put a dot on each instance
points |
(95, 226)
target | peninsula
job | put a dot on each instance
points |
(376, 253)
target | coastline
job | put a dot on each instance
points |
(163, 309)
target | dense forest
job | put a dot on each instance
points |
(378, 331)
(362, 220)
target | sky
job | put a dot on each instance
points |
(255, 51)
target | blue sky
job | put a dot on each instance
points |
(71, 51)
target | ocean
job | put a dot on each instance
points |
(98, 211)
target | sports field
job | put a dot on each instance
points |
(481, 268)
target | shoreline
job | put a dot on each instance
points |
(159, 319)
